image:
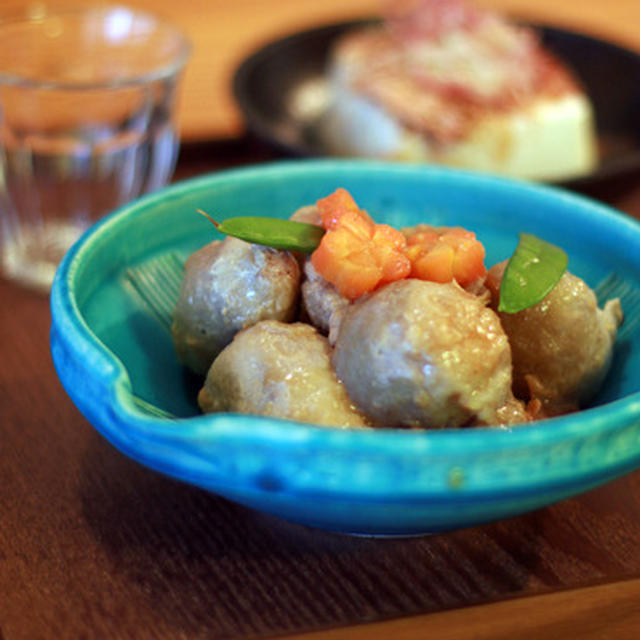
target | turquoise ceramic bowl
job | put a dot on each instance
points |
(114, 356)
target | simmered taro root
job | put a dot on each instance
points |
(322, 302)
(309, 214)
(562, 346)
(425, 354)
(227, 286)
(281, 370)
(394, 328)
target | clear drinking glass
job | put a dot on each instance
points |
(87, 123)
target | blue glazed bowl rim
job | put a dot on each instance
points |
(69, 323)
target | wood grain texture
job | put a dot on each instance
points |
(604, 612)
(93, 545)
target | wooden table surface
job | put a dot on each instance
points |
(92, 545)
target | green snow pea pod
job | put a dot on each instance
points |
(272, 232)
(532, 272)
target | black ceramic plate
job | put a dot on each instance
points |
(281, 93)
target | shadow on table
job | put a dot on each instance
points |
(196, 562)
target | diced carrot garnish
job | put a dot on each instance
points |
(336, 204)
(357, 255)
(389, 248)
(338, 260)
(468, 264)
(446, 254)
(435, 265)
